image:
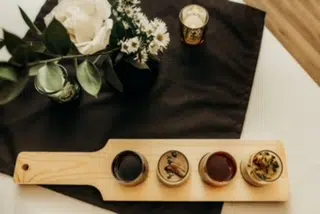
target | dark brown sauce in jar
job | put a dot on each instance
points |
(128, 166)
(221, 166)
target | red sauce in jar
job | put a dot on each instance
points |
(221, 166)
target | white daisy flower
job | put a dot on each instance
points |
(125, 47)
(125, 25)
(120, 8)
(134, 1)
(153, 48)
(149, 30)
(142, 56)
(134, 44)
(140, 19)
(137, 9)
(159, 25)
(115, 13)
(163, 39)
(129, 11)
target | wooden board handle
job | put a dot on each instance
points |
(60, 168)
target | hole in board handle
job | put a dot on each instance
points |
(25, 167)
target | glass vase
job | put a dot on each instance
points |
(70, 90)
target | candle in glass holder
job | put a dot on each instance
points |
(193, 24)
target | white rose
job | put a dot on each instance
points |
(87, 21)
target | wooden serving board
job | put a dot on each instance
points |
(94, 169)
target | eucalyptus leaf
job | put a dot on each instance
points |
(10, 90)
(29, 22)
(138, 65)
(19, 49)
(89, 78)
(50, 77)
(37, 47)
(56, 38)
(118, 58)
(73, 49)
(34, 70)
(155, 57)
(15, 46)
(8, 73)
(40, 51)
(110, 74)
(118, 32)
(101, 60)
(1, 44)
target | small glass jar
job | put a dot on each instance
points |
(70, 90)
(261, 168)
(193, 24)
(218, 168)
(173, 168)
(130, 168)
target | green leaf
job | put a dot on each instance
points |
(74, 50)
(19, 49)
(118, 32)
(37, 47)
(29, 22)
(137, 64)
(102, 58)
(118, 57)
(34, 70)
(89, 78)
(12, 41)
(1, 43)
(10, 90)
(8, 73)
(154, 57)
(56, 38)
(50, 77)
(15, 46)
(111, 75)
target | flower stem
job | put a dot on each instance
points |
(71, 57)
(96, 60)
(75, 61)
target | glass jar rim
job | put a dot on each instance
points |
(42, 91)
(194, 5)
(229, 157)
(143, 167)
(185, 158)
(276, 178)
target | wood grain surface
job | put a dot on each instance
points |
(94, 169)
(296, 24)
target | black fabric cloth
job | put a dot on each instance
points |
(201, 92)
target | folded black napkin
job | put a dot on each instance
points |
(201, 92)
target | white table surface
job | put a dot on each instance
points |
(284, 104)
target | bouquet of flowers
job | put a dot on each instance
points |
(95, 34)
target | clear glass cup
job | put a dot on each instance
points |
(193, 24)
(69, 91)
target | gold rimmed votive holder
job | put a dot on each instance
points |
(193, 24)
